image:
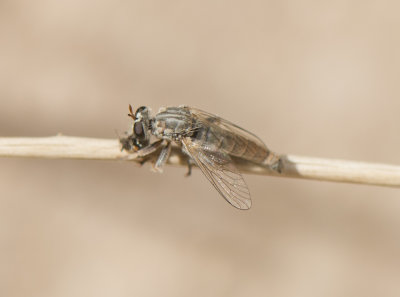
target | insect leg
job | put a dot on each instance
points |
(190, 163)
(163, 157)
(149, 149)
(145, 152)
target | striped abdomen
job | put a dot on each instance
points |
(231, 143)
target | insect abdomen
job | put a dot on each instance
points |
(231, 144)
(241, 147)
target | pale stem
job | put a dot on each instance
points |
(66, 147)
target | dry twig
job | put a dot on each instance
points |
(65, 147)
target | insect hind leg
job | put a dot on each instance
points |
(190, 164)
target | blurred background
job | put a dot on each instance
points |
(316, 78)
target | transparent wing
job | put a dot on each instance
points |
(219, 169)
(236, 141)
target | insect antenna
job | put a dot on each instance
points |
(131, 114)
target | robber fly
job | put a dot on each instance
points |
(209, 141)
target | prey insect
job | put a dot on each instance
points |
(209, 141)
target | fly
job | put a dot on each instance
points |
(210, 142)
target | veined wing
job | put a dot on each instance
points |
(219, 169)
(234, 140)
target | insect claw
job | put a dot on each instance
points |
(157, 169)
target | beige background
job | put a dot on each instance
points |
(317, 78)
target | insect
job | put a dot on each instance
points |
(209, 141)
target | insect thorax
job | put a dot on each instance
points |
(172, 124)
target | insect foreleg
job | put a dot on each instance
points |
(149, 149)
(144, 152)
(163, 157)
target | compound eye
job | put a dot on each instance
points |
(138, 128)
